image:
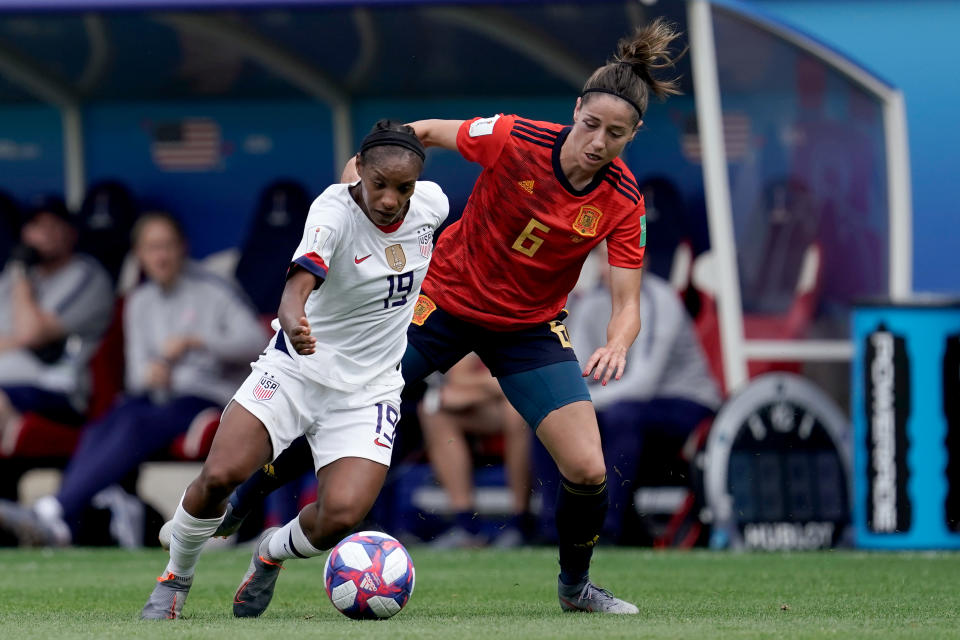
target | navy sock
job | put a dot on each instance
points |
(466, 521)
(289, 465)
(581, 509)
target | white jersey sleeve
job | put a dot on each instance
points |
(434, 199)
(321, 236)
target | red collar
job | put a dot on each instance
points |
(390, 228)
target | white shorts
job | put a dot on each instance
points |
(338, 424)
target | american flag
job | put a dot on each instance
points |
(191, 144)
(737, 138)
(265, 388)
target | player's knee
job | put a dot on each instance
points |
(588, 469)
(217, 481)
(338, 516)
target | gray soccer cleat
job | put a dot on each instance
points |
(256, 589)
(590, 598)
(230, 525)
(166, 601)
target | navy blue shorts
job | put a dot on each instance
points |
(49, 404)
(536, 366)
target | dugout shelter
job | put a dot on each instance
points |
(786, 162)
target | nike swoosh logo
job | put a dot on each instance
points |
(377, 442)
(236, 597)
(359, 260)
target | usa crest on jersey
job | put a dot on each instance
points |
(265, 388)
(425, 236)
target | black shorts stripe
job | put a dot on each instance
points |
(548, 145)
(529, 124)
(536, 134)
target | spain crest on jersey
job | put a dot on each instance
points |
(265, 388)
(587, 221)
(425, 236)
(422, 310)
(396, 258)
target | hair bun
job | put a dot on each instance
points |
(649, 49)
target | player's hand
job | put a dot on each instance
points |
(174, 348)
(606, 362)
(300, 338)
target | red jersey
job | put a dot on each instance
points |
(511, 259)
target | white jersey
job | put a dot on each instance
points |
(372, 277)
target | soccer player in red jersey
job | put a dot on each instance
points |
(501, 274)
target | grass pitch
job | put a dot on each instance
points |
(502, 594)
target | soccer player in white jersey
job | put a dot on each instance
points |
(331, 373)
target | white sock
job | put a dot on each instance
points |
(289, 541)
(187, 537)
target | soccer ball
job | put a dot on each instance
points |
(369, 575)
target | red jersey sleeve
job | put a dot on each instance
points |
(482, 139)
(626, 245)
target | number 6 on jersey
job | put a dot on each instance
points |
(528, 242)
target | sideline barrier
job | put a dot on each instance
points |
(906, 418)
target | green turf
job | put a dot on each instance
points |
(508, 595)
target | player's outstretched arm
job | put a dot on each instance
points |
(611, 359)
(438, 133)
(293, 318)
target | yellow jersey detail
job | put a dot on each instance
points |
(528, 242)
(561, 330)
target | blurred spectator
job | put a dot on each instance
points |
(188, 338)
(106, 218)
(54, 306)
(470, 401)
(666, 388)
(666, 221)
(277, 222)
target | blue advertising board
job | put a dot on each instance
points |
(906, 425)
